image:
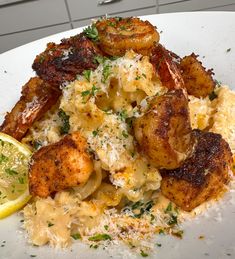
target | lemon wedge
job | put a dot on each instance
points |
(14, 160)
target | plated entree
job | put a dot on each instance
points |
(125, 136)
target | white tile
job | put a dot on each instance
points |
(32, 14)
(8, 42)
(91, 8)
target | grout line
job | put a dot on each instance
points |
(69, 14)
(33, 29)
(176, 2)
(15, 3)
(132, 10)
(157, 6)
(211, 8)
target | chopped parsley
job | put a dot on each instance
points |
(91, 32)
(3, 158)
(168, 208)
(106, 227)
(112, 24)
(94, 246)
(76, 236)
(37, 144)
(122, 115)
(212, 96)
(138, 77)
(173, 213)
(49, 224)
(228, 50)
(94, 89)
(106, 73)
(143, 254)
(41, 59)
(95, 132)
(85, 93)
(64, 129)
(100, 237)
(125, 134)
(139, 208)
(87, 74)
(122, 27)
(10, 171)
(91, 92)
(21, 180)
(99, 59)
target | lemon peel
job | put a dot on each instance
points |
(14, 159)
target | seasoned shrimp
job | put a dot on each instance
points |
(166, 68)
(37, 97)
(117, 35)
(198, 81)
(59, 166)
(202, 176)
(163, 132)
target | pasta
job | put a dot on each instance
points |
(122, 199)
(99, 110)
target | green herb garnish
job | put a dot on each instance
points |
(76, 236)
(94, 90)
(91, 32)
(100, 237)
(143, 254)
(106, 227)
(37, 144)
(94, 246)
(87, 74)
(212, 96)
(95, 132)
(106, 73)
(10, 171)
(3, 158)
(85, 93)
(125, 134)
(41, 59)
(64, 129)
(100, 59)
(21, 180)
(49, 224)
(173, 213)
(122, 115)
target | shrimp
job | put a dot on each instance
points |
(60, 166)
(163, 132)
(117, 35)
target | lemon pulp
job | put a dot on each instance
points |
(14, 159)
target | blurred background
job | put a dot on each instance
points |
(22, 21)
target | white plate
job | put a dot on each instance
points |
(208, 34)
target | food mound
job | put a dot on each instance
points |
(125, 136)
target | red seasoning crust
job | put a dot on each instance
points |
(164, 132)
(166, 67)
(61, 63)
(198, 81)
(202, 176)
(37, 97)
(59, 166)
(117, 35)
